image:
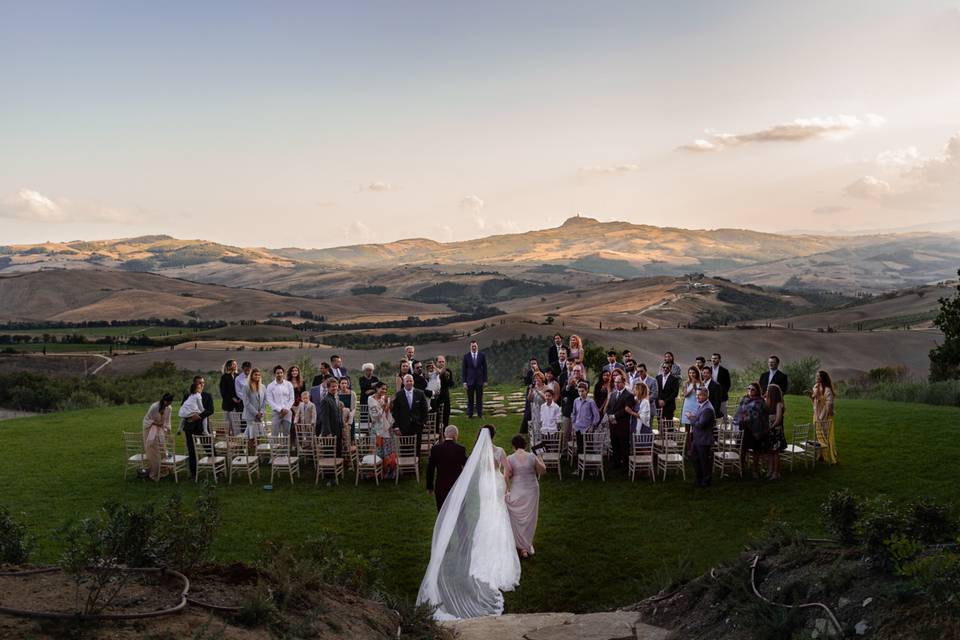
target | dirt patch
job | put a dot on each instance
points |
(223, 586)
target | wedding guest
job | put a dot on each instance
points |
(775, 407)
(443, 398)
(553, 354)
(196, 408)
(420, 380)
(586, 414)
(702, 421)
(675, 370)
(630, 367)
(229, 399)
(536, 396)
(447, 460)
(474, 376)
(254, 409)
(618, 401)
(410, 409)
(532, 368)
(560, 366)
(329, 417)
(568, 393)
(368, 381)
(714, 391)
(640, 411)
(381, 429)
(575, 350)
(306, 413)
(722, 376)
(700, 362)
(601, 390)
(551, 383)
(612, 363)
(323, 374)
(404, 370)
(348, 407)
(409, 355)
(669, 387)
(690, 387)
(240, 383)
(823, 401)
(627, 355)
(549, 414)
(156, 426)
(299, 386)
(523, 494)
(337, 370)
(773, 376)
(751, 418)
(280, 397)
(653, 389)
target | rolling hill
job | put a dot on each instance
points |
(580, 252)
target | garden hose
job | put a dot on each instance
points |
(753, 585)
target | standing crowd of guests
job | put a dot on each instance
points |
(627, 399)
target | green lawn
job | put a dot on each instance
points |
(599, 545)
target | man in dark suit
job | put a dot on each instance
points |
(612, 364)
(701, 423)
(560, 366)
(773, 376)
(553, 354)
(474, 378)
(410, 410)
(329, 417)
(721, 375)
(196, 425)
(322, 375)
(447, 460)
(419, 380)
(617, 403)
(442, 398)
(669, 385)
(337, 370)
(714, 390)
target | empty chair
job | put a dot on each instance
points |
(727, 453)
(592, 456)
(552, 451)
(368, 459)
(363, 418)
(134, 457)
(641, 455)
(326, 458)
(208, 459)
(669, 452)
(240, 460)
(429, 435)
(281, 460)
(174, 462)
(407, 458)
(801, 447)
(306, 443)
(263, 444)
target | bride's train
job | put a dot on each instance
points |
(473, 558)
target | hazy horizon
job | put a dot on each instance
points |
(314, 126)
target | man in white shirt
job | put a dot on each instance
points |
(280, 398)
(549, 414)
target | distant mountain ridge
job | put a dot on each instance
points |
(581, 245)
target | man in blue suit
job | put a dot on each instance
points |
(474, 373)
(702, 422)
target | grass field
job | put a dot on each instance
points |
(599, 545)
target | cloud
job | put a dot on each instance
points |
(472, 204)
(619, 169)
(379, 187)
(798, 130)
(868, 187)
(899, 158)
(943, 168)
(28, 204)
(828, 209)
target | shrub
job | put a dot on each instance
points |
(801, 374)
(938, 574)
(15, 543)
(944, 393)
(840, 513)
(81, 399)
(879, 521)
(929, 522)
(887, 374)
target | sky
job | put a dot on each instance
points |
(319, 124)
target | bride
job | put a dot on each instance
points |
(473, 558)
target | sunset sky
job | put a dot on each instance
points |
(319, 124)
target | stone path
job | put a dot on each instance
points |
(615, 625)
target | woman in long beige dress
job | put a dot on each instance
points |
(823, 399)
(522, 473)
(156, 424)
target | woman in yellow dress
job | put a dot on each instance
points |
(823, 398)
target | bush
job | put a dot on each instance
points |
(929, 522)
(880, 521)
(801, 374)
(15, 543)
(887, 374)
(840, 513)
(945, 393)
(938, 574)
(80, 399)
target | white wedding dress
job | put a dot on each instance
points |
(473, 558)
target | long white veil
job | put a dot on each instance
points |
(473, 557)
